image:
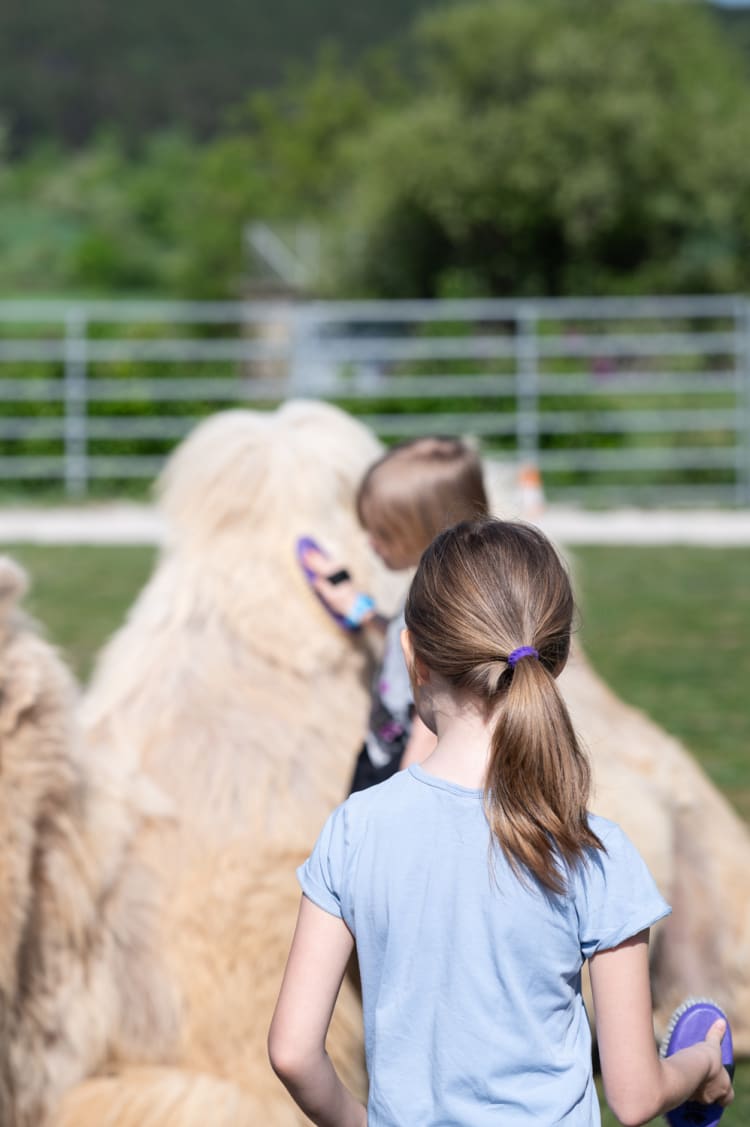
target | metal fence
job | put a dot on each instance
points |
(641, 400)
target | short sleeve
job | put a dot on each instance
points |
(321, 875)
(616, 896)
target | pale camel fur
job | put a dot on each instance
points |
(231, 687)
(79, 975)
(242, 704)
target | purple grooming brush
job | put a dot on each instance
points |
(689, 1024)
(305, 544)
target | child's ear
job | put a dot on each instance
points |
(417, 669)
(407, 649)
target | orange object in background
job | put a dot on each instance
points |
(530, 491)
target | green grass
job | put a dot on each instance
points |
(81, 594)
(667, 628)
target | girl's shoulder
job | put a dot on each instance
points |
(606, 830)
(618, 853)
(379, 798)
(389, 808)
(614, 894)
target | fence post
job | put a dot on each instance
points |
(527, 385)
(76, 356)
(308, 368)
(743, 372)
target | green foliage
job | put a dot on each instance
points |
(293, 142)
(167, 216)
(565, 146)
(94, 222)
(297, 130)
(505, 147)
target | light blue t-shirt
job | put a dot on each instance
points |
(471, 979)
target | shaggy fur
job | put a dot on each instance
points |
(151, 874)
(231, 687)
(78, 975)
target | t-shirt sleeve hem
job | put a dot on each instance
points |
(321, 897)
(633, 927)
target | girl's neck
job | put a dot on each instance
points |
(464, 737)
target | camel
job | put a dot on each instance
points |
(218, 731)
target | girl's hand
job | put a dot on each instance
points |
(334, 585)
(717, 1088)
(340, 595)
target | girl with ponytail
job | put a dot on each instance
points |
(476, 884)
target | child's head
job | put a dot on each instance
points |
(482, 590)
(414, 491)
(490, 611)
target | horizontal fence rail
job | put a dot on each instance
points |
(625, 400)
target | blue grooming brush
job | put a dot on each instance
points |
(689, 1024)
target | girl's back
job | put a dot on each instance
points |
(471, 977)
(476, 885)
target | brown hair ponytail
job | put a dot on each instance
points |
(489, 591)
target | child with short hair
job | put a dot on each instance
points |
(414, 491)
(476, 885)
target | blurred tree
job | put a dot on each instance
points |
(505, 147)
(282, 158)
(167, 215)
(96, 221)
(564, 146)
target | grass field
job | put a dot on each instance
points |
(667, 628)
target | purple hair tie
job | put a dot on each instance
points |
(522, 651)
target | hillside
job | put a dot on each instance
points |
(140, 65)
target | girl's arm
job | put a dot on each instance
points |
(317, 962)
(638, 1083)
